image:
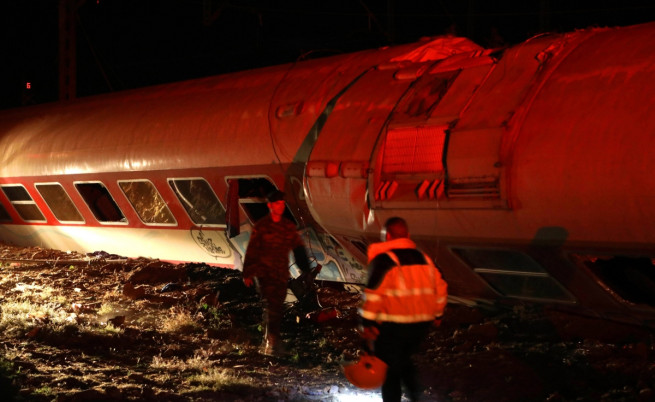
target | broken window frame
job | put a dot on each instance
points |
(23, 203)
(62, 206)
(100, 211)
(191, 210)
(139, 202)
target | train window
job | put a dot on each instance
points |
(252, 196)
(514, 274)
(199, 200)
(23, 203)
(631, 279)
(360, 245)
(4, 215)
(424, 95)
(100, 202)
(147, 202)
(59, 202)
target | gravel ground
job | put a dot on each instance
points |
(104, 328)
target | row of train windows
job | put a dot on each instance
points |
(195, 195)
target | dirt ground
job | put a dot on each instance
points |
(103, 328)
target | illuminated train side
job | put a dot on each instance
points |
(524, 172)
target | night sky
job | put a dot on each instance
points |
(124, 44)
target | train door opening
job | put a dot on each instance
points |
(247, 203)
(251, 193)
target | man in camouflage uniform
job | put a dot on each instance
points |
(267, 260)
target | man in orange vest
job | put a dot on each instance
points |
(404, 296)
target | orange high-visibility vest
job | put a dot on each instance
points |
(407, 293)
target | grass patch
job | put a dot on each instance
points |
(196, 363)
(219, 379)
(18, 318)
(44, 391)
(180, 321)
(38, 293)
(108, 309)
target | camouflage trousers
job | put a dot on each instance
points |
(273, 293)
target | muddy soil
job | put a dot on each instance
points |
(104, 328)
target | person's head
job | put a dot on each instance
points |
(395, 228)
(276, 204)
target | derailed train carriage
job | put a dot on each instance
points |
(525, 172)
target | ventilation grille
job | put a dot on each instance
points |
(482, 187)
(410, 150)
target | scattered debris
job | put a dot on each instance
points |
(139, 329)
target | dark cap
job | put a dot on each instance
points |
(275, 195)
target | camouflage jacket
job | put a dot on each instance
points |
(267, 255)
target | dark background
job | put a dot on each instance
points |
(124, 44)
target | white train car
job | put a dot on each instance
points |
(525, 172)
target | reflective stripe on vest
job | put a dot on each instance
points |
(407, 294)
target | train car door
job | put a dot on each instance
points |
(247, 204)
